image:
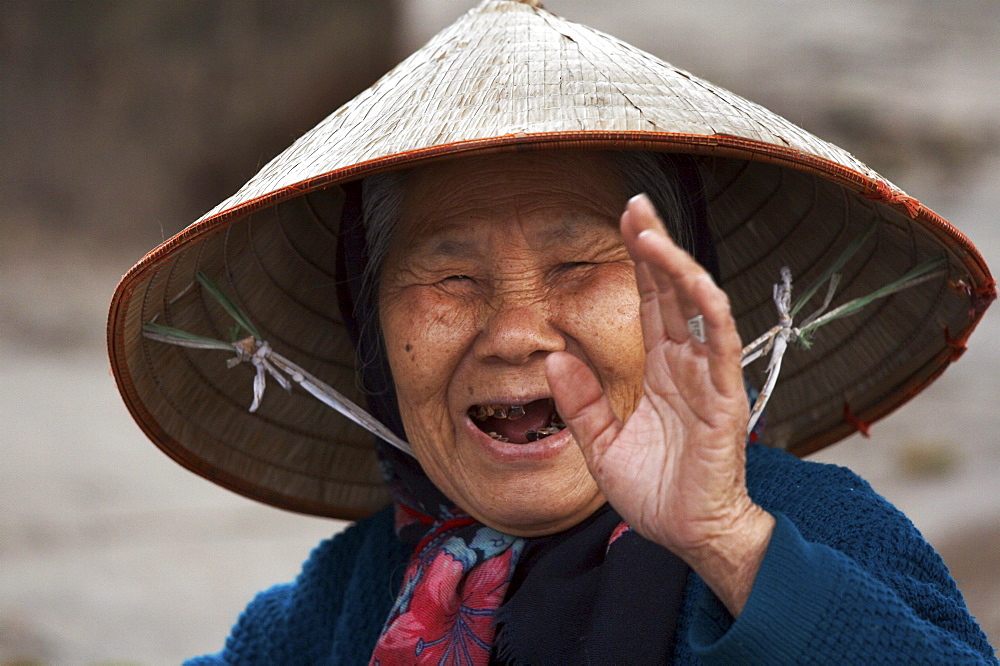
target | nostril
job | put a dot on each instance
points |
(518, 335)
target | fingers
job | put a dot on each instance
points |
(674, 288)
(663, 270)
(722, 338)
(654, 330)
(582, 405)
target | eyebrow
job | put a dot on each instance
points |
(446, 247)
(561, 234)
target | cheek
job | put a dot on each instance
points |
(609, 312)
(425, 337)
(607, 325)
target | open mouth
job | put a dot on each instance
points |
(518, 423)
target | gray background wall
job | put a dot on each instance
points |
(121, 122)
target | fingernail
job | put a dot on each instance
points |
(642, 199)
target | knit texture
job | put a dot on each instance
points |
(333, 612)
(846, 579)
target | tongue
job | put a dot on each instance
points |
(537, 414)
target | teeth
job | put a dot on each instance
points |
(542, 433)
(512, 412)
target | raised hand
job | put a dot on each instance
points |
(675, 468)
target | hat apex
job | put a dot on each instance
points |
(508, 68)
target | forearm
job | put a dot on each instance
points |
(812, 603)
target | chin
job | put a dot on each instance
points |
(526, 510)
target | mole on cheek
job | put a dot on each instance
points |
(408, 347)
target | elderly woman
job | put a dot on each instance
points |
(510, 249)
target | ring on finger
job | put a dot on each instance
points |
(696, 327)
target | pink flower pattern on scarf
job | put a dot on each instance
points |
(441, 627)
(451, 591)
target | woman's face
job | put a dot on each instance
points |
(498, 261)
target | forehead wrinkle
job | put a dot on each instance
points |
(447, 247)
(442, 207)
(568, 228)
(436, 239)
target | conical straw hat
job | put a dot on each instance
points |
(511, 76)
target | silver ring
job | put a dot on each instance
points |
(696, 327)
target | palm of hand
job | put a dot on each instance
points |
(675, 469)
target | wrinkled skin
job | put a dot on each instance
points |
(515, 277)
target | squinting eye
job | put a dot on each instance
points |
(574, 264)
(458, 277)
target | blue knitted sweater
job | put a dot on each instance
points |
(846, 579)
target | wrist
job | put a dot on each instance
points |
(729, 562)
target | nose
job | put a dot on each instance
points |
(517, 331)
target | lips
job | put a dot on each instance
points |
(517, 423)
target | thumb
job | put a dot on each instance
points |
(582, 405)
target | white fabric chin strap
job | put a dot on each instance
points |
(267, 362)
(776, 340)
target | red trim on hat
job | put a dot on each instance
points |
(859, 425)
(717, 145)
(982, 297)
(957, 345)
(883, 192)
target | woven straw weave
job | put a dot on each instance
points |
(509, 76)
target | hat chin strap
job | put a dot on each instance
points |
(267, 362)
(776, 340)
(256, 351)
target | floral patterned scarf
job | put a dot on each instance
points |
(473, 595)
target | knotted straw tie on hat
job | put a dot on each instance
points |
(510, 76)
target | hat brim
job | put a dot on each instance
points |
(272, 247)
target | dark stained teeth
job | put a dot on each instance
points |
(483, 412)
(513, 413)
(541, 433)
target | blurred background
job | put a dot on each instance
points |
(121, 122)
